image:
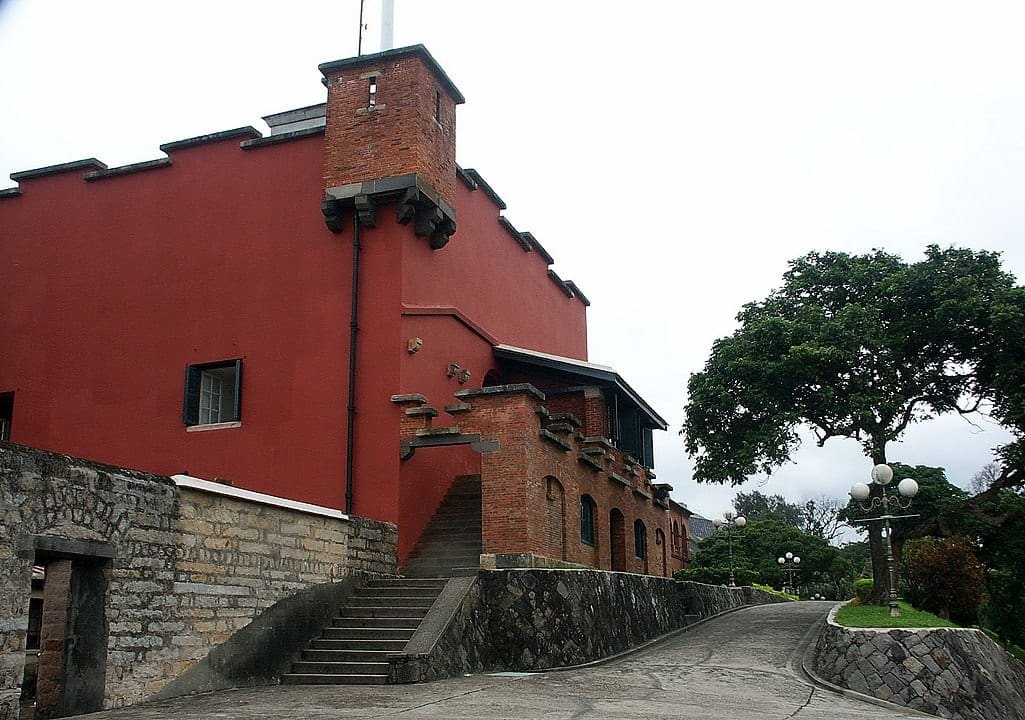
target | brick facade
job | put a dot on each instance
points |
(534, 482)
(409, 128)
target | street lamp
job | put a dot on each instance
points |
(730, 519)
(789, 562)
(906, 489)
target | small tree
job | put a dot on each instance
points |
(945, 577)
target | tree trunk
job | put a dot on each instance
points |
(876, 543)
(880, 573)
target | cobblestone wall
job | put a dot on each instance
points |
(536, 619)
(185, 567)
(952, 673)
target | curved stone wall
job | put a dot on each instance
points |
(950, 672)
(538, 619)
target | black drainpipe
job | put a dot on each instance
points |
(353, 328)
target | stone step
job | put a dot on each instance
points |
(381, 612)
(363, 643)
(443, 547)
(396, 591)
(417, 601)
(317, 655)
(340, 668)
(348, 621)
(320, 679)
(365, 630)
(405, 583)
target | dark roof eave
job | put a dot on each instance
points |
(593, 372)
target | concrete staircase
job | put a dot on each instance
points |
(381, 616)
(453, 537)
(378, 619)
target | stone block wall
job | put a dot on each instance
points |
(538, 619)
(950, 672)
(186, 564)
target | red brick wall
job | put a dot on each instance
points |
(400, 135)
(515, 486)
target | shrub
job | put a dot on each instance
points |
(945, 577)
(863, 590)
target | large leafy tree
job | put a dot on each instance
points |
(860, 346)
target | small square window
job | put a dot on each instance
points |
(213, 393)
(6, 414)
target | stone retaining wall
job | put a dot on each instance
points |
(537, 619)
(185, 568)
(950, 672)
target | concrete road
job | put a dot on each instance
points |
(739, 666)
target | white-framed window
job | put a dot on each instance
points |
(213, 393)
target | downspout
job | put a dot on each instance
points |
(353, 329)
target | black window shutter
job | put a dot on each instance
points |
(238, 390)
(190, 408)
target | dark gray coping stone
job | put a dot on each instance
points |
(86, 164)
(513, 389)
(74, 547)
(567, 417)
(128, 169)
(247, 131)
(458, 407)
(555, 440)
(662, 487)
(280, 138)
(578, 293)
(599, 440)
(374, 58)
(649, 473)
(590, 462)
(422, 410)
(641, 492)
(317, 110)
(661, 502)
(560, 428)
(558, 281)
(10, 192)
(432, 432)
(409, 398)
(538, 247)
(516, 234)
(390, 186)
(593, 451)
(619, 479)
(488, 190)
(463, 176)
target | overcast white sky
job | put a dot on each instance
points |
(671, 156)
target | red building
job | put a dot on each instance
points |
(289, 313)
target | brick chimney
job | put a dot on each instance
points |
(391, 135)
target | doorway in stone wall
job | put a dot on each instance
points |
(72, 660)
(617, 539)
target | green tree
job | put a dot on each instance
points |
(756, 548)
(859, 346)
(754, 505)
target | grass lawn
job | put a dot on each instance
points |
(878, 616)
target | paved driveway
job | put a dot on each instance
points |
(740, 666)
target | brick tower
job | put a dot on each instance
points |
(391, 136)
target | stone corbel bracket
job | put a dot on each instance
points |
(417, 201)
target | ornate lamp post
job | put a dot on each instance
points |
(730, 519)
(789, 562)
(906, 489)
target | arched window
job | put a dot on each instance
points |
(674, 538)
(640, 539)
(587, 508)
